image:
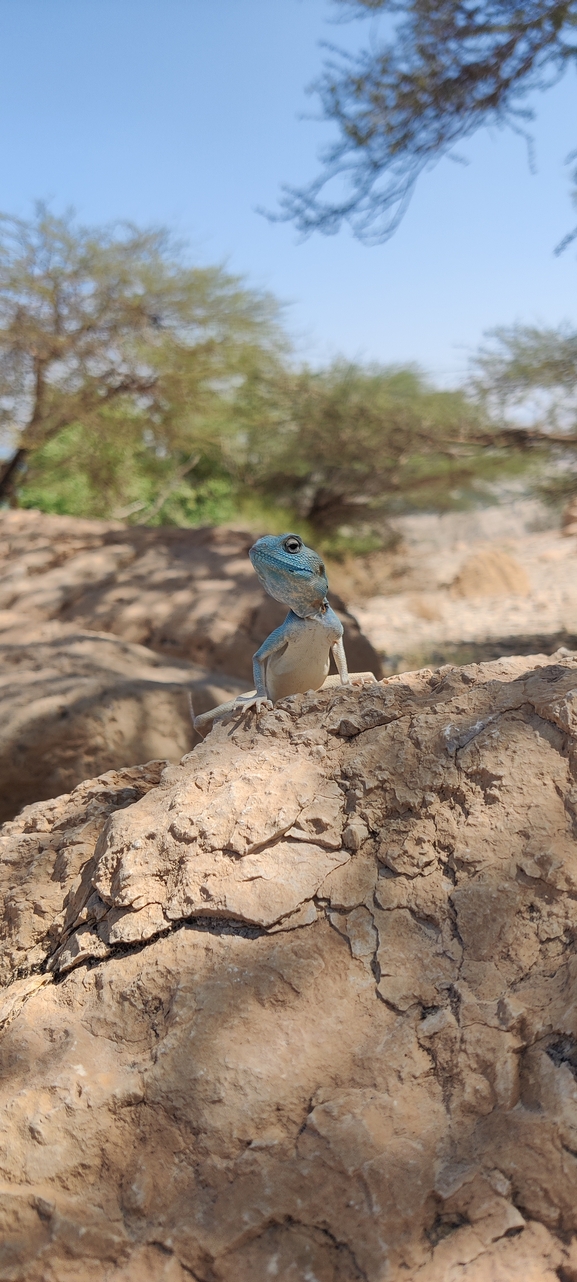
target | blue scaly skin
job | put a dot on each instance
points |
(295, 657)
(290, 572)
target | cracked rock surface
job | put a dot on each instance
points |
(303, 1006)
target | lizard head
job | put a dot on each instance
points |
(290, 571)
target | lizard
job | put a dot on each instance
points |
(296, 656)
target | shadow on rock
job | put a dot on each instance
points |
(75, 703)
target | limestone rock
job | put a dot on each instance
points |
(188, 594)
(46, 861)
(240, 1045)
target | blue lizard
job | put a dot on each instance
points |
(295, 657)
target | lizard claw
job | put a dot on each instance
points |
(243, 703)
(257, 701)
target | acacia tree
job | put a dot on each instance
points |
(447, 68)
(138, 386)
(520, 360)
(527, 379)
(95, 320)
(349, 445)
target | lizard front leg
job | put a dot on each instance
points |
(257, 698)
(349, 678)
(260, 698)
(340, 659)
(242, 703)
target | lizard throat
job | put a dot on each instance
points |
(311, 614)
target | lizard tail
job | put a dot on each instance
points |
(206, 718)
(200, 721)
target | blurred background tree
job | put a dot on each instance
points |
(118, 362)
(526, 379)
(348, 446)
(138, 387)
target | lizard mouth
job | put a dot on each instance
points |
(263, 559)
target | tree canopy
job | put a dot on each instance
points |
(443, 69)
(111, 328)
(522, 359)
(137, 386)
(526, 378)
(352, 444)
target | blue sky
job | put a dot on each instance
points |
(186, 112)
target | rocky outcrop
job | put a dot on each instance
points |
(189, 594)
(103, 632)
(74, 703)
(303, 1006)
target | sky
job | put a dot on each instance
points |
(189, 113)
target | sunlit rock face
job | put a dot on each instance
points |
(303, 1006)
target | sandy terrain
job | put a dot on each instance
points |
(449, 611)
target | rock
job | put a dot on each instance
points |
(46, 863)
(491, 572)
(188, 594)
(75, 703)
(240, 1043)
(79, 691)
(422, 621)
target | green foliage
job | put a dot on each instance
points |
(557, 487)
(83, 473)
(349, 445)
(531, 373)
(95, 321)
(335, 452)
(52, 485)
(141, 388)
(523, 359)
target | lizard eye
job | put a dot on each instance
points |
(292, 544)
